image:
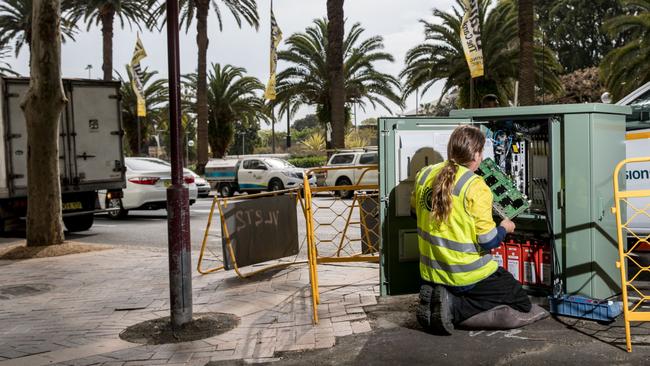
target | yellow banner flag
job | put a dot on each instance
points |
(470, 30)
(276, 38)
(137, 77)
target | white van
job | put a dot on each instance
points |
(637, 144)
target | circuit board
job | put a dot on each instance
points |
(508, 202)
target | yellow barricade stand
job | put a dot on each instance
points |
(220, 204)
(632, 311)
(322, 216)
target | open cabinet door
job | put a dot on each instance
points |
(405, 146)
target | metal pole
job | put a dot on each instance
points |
(273, 130)
(187, 150)
(471, 92)
(243, 144)
(139, 153)
(178, 213)
(417, 101)
(288, 128)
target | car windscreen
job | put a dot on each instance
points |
(145, 165)
(640, 109)
(279, 164)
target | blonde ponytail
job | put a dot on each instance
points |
(441, 195)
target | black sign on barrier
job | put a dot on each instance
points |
(260, 230)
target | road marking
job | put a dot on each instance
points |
(506, 334)
(103, 225)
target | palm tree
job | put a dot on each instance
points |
(335, 70)
(156, 98)
(242, 11)
(5, 68)
(232, 97)
(526, 21)
(306, 79)
(626, 68)
(16, 23)
(442, 57)
(104, 12)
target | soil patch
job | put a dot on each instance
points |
(159, 331)
(21, 251)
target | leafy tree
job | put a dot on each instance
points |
(16, 23)
(104, 12)
(305, 80)
(248, 135)
(573, 29)
(232, 98)
(580, 86)
(354, 139)
(156, 99)
(442, 56)
(309, 121)
(242, 11)
(626, 68)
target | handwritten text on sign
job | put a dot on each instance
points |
(260, 230)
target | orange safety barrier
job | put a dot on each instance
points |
(627, 260)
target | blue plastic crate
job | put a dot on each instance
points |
(585, 308)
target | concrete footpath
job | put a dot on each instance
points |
(70, 310)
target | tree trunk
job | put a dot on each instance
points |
(526, 53)
(203, 7)
(108, 13)
(335, 70)
(42, 106)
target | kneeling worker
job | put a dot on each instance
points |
(462, 285)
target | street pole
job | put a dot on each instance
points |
(243, 144)
(137, 119)
(178, 212)
(272, 130)
(288, 129)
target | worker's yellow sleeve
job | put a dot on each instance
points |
(478, 202)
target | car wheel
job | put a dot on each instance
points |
(344, 181)
(225, 190)
(79, 222)
(275, 185)
(116, 214)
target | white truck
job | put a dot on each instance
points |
(90, 149)
(253, 175)
(351, 176)
(637, 144)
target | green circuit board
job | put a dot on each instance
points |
(508, 201)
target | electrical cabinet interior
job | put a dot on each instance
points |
(560, 158)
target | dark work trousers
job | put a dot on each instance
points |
(500, 288)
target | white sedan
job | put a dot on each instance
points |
(147, 180)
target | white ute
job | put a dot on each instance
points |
(351, 176)
(637, 144)
(253, 175)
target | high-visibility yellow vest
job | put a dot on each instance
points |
(449, 251)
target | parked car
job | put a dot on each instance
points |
(147, 180)
(253, 175)
(352, 176)
(202, 185)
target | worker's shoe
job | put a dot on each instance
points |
(434, 311)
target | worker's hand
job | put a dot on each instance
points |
(508, 225)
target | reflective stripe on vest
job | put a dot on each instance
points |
(450, 253)
(456, 268)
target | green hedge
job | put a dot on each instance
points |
(309, 161)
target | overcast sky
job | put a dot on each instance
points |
(396, 21)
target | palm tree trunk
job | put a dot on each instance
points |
(108, 13)
(202, 9)
(42, 106)
(335, 70)
(526, 53)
